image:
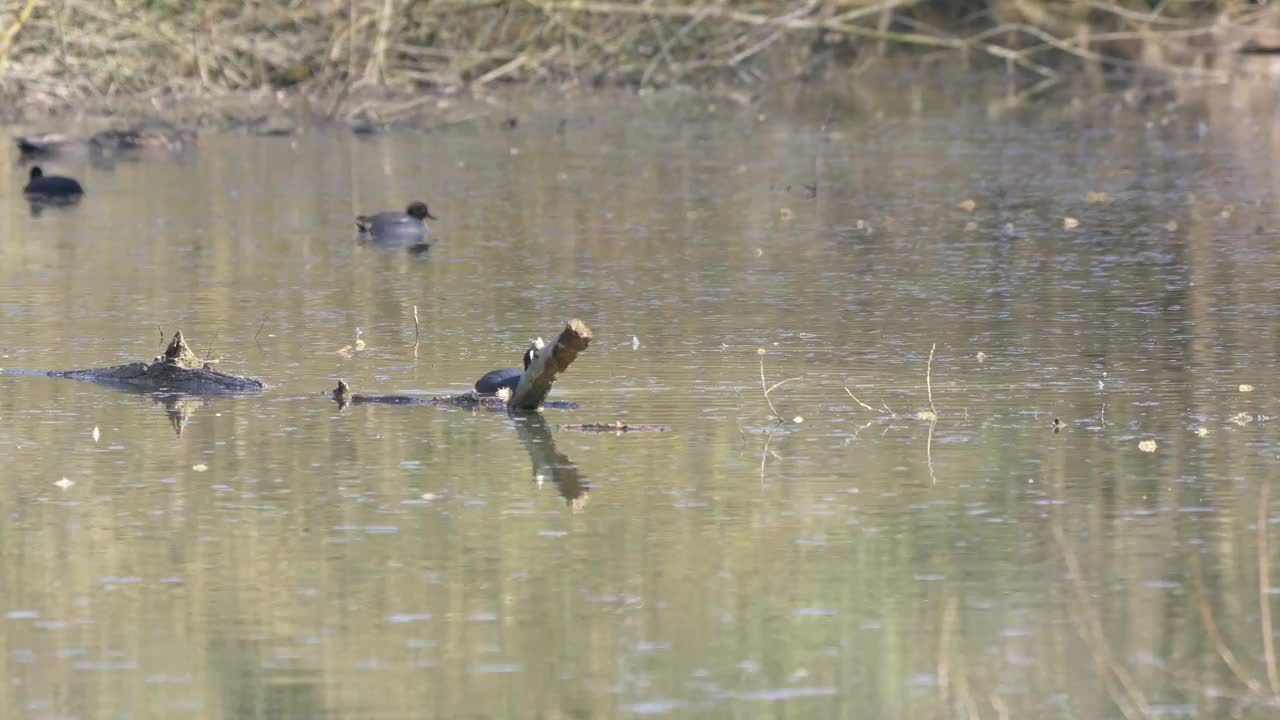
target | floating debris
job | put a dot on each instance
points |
(785, 213)
(200, 467)
(95, 433)
(1245, 387)
(1148, 446)
(797, 420)
(64, 483)
(968, 205)
(1171, 226)
(617, 427)
(1093, 197)
(1202, 432)
(1070, 223)
(1057, 424)
(981, 356)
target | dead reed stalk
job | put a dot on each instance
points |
(117, 49)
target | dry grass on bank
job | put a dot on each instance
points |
(56, 52)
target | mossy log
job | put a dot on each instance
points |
(178, 369)
(548, 362)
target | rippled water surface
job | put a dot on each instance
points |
(279, 556)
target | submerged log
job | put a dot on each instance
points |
(343, 396)
(548, 362)
(614, 427)
(177, 369)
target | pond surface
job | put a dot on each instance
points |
(278, 556)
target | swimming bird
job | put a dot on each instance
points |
(149, 135)
(46, 144)
(509, 378)
(407, 228)
(51, 186)
(152, 134)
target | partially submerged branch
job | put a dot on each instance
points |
(548, 362)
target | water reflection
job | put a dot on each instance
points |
(283, 557)
(549, 464)
(179, 408)
(38, 204)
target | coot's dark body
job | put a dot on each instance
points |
(51, 185)
(509, 378)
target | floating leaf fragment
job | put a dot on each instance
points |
(1070, 223)
(927, 415)
(968, 205)
(1147, 446)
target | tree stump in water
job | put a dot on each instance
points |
(548, 362)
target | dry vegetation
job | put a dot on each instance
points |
(65, 51)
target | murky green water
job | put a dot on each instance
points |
(282, 557)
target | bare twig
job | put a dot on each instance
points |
(855, 399)
(928, 380)
(768, 390)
